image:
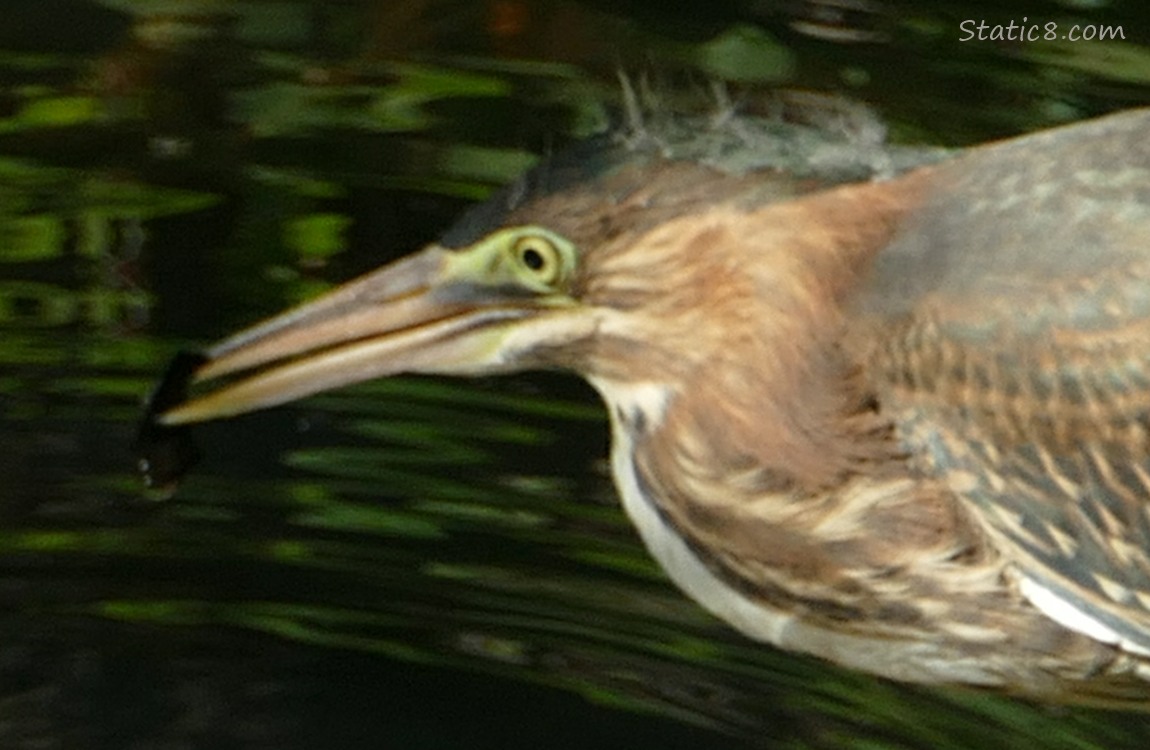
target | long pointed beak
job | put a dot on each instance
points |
(405, 317)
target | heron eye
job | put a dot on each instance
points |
(532, 258)
(539, 256)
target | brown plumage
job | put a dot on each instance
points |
(892, 411)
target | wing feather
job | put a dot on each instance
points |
(1008, 327)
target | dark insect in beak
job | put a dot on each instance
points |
(166, 453)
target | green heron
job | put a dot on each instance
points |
(884, 406)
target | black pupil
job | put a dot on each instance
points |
(533, 259)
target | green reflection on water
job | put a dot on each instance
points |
(1113, 60)
(335, 514)
(317, 236)
(42, 110)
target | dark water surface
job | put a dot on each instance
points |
(418, 563)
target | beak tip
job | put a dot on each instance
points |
(170, 418)
(205, 370)
(178, 416)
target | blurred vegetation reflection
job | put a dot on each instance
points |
(172, 170)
